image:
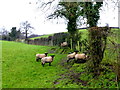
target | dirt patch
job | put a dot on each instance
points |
(74, 77)
(64, 64)
(70, 74)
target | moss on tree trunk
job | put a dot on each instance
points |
(97, 44)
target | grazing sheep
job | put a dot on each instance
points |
(40, 56)
(47, 60)
(80, 56)
(71, 56)
(64, 44)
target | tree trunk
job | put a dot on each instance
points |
(97, 44)
(26, 34)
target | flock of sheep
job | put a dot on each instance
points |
(44, 58)
(49, 59)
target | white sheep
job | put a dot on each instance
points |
(47, 60)
(82, 56)
(40, 56)
(71, 56)
(64, 44)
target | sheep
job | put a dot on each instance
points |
(64, 44)
(40, 56)
(47, 60)
(79, 57)
(71, 56)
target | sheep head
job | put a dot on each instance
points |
(46, 53)
(76, 51)
(52, 56)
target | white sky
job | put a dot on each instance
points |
(13, 12)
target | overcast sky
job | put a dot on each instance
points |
(13, 12)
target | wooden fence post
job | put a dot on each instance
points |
(78, 48)
(71, 43)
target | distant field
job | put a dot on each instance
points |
(115, 35)
(43, 36)
(46, 36)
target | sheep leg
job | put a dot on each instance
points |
(68, 60)
(42, 64)
(37, 59)
(49, 64)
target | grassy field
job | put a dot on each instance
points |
(20, 70)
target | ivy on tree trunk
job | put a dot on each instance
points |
(97, 44)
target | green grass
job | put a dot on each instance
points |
(116, 35)
(84, 34)
(20, 70)
(43, 36)
(111, 52)
(107, 79)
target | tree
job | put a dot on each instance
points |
(4, 34)
(70, 11)
(97, 43)
(91, 12)
(14, 34)
(97, 35)
(26, 28)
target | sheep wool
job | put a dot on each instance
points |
(47, 60)
(39, 56)
(80, 56)
(64, 44)
(71, 56)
